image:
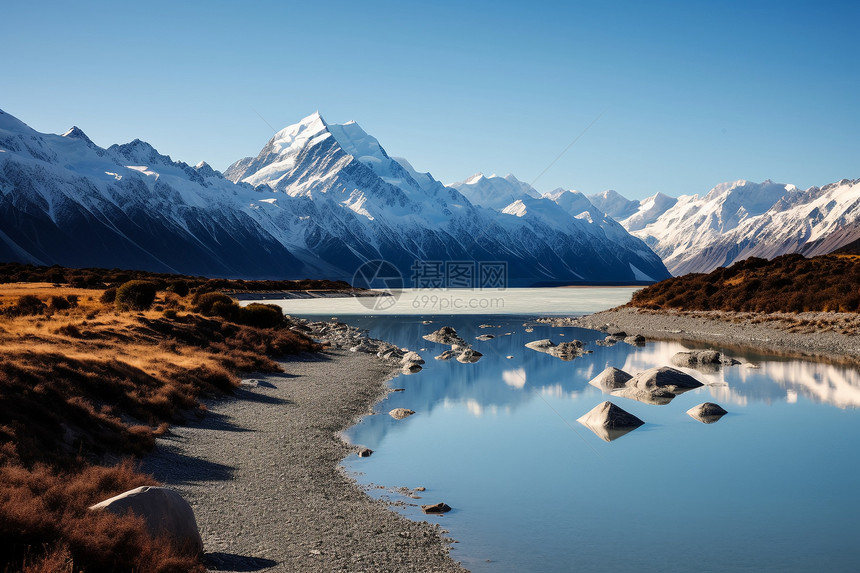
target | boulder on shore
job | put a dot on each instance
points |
(164, 511)
(707, 412)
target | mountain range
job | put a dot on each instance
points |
(318, 200)
(740, 219)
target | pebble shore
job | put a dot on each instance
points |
(261, 470)
(831, 336)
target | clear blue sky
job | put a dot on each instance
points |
(692, 93)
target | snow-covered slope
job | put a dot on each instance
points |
(317, 201)
(358, 204)
(614, 204)
(566, 213)
(740, 219)
(65, 200)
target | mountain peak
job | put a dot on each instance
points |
(474, 178)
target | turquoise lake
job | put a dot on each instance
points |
(772, 486)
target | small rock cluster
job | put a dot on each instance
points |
(343, 336)
(564, 350)
(460, 349)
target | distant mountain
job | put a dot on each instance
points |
(613, 204)
(318, 200)
(741, 219)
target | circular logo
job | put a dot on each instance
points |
(380, 276)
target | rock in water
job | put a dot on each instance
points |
(400, 413)
(707, 412)
(447, 355)
(565, 350)
(365, 452)
(635, 340)
(709, 359)
(609, 422)
(436, 508)
(468, 356)
(163, 510)
(611, 379)
(445, 335)
(666, 378)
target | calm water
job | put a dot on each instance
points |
(772, 486)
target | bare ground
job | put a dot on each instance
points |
(261, 472)
(821, 335)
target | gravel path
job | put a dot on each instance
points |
(820, 335)
(261, 472)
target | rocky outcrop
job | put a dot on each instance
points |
(164, 511)
(446, 335)
(565, 350)
(702, 359)
(460, 349)
(609, 422)
(707, 412)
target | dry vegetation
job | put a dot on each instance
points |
(787, 284)
(84, 389)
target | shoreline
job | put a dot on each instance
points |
(812, 335)
(262, 471)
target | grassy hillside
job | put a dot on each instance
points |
(85, 388)
(790, 283)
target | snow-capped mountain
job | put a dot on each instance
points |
(317, 201)
(64, 200)
(356, 203)
(741, 219)
(566, 212)
(614, 204)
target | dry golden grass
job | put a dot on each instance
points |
(83, 385)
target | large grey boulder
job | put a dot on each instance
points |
(611, 379)
(664, 377)
(609, 422)
(707, 412)
(164, 511)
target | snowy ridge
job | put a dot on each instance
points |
(318, 200)
(740, 219)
